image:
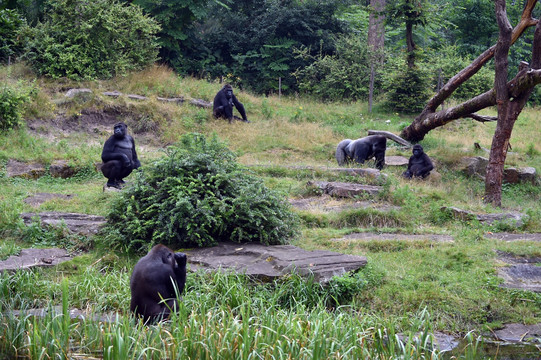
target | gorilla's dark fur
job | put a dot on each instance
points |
(419, 164)
(153, 283)
(119, 156)
(362, 149)
(224, 102)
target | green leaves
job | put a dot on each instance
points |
(196, 196)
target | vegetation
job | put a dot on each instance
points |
(407, 287)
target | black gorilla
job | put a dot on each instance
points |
(419, 164)
(362, 149)
(224, 102)
(119, 156)
(153, 283)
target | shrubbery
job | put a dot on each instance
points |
(196, 196)
(91, 39)
(10, 23)
(12, 99)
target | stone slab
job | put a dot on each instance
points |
(510, 237)
(396, 161)
(78, 223)
(270, 262)
(16, 168)
(517, 333)
(30, 258)
(39, 198)
(369, 236)
(341, 189)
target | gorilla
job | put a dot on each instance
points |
(362, 149)
(153, 283)
(119, 156)
(223, 105)
(419, 164)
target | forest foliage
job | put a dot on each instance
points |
(316, 48)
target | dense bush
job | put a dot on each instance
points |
(342, 76)
(12, 99)
(10, 23)
(408, 90)
(196, 196)
(91, 39)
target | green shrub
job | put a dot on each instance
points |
(408, 90)
(195, 196)
(12, 99)
(10, 23)
(91, 39)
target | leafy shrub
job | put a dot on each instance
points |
(195, 196)
(10, 23)
(12, 99)
(342, 76)
(408, 90)
(91, 39)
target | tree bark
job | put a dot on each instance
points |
(427, 120)
(376, 39)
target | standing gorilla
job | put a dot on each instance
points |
(362, 149)
(223, 104)
(153, 283)
(119, 156)
(419, 164)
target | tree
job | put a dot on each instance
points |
(376, 41)
(430, 119)
(510, 104)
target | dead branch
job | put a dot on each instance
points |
(390, 135)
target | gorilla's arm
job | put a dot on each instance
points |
(180, 271)
(109, 152)
(240, 108)
(135, 160)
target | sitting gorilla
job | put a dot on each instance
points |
(153, 283)
(362, 149)
(223, 105)
(119, 156)
(419, 164)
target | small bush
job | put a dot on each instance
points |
(10, 23)
(107, 38)
(12, 99)
(409, 91)
(195, 196)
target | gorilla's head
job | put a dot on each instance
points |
(417, 150)
(120, 130)
(228, 91)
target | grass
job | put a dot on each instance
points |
(408, 286)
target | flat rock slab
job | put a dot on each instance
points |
(396, 160)
(368, 236)
(326, 203)
(515, 219)
(341, 189)
(78, 223)
(524, 272)
(39, 198)
(438, 340)
(16, 168)
(29, 258)
(509, 237)
(518, 333)
(73, 314)
(270, 262)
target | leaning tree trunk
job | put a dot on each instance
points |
(429, 119)
(508, 110)
(376, 38)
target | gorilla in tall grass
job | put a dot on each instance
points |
(362, 149)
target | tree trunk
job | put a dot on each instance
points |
(508, 110)
(428, 119)
(376, 37)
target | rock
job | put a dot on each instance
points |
(137, 97)
(201, 103)
(514, 219)
(437, 340)
(509, 237)
(61, 169)
(510, 176)
(29, 258)
(396, 160)
(83, 94)
(77, 223)
(522, 276)
(326, 203)
(527, 175)
(16, 168)
(365, 172)
(73, 314)
(114, 94)
(341, 189)
(171, 100)
(110, 188)
(269, 262)
(517, 333)
(368, 236)
(39, 198)
(477, 166)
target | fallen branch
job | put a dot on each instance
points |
(390, 135)
(481, 118)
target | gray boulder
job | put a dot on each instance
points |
(29, 258)
(77, 223)
(514, 219)
(269, 262)
(61, 169)
(341, 189)
(16, 168)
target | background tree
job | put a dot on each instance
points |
(376, 42)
